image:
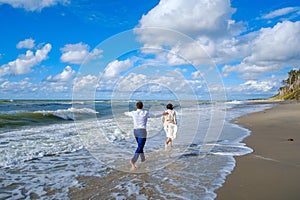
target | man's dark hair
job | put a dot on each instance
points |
(139, 105)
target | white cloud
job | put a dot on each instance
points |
(33, 5)
(197, 75)
(61, 82)
(85, 83)
(96, 53)
(248, 71)
(105, 81)
(68, 74)
(280, 43)
(77, 53)
(253, 86)
(58, 85)
(230, 49)
(24, 63)
(281, 12)
(27, 44)
(195, 18)
(172, 80)
(115, 67)
(208, 23)
(169, 85)
(74, 53)
(271, 50)
(17, 88)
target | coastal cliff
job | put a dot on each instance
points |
(291, 87)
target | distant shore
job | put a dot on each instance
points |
(272, 171)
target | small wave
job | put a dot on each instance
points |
(235, 102)
(227, 150)
(77, 102)
(25, 118)
(68, 114)
(220, 149)
(12, 120)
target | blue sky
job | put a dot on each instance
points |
(53, 48)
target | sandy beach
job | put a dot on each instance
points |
(272, 171)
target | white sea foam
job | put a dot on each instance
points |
(31, 143)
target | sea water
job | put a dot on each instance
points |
(53, 149)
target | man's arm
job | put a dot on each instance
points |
(157, 115)
(128, 114)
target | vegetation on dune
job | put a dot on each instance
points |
(291, 87)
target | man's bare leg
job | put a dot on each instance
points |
(132, 165)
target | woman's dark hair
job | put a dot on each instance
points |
(170, 106)
(139, 105)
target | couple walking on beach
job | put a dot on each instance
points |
(140, 118)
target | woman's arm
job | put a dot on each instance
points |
(175, 121)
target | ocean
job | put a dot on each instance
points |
(81, 149)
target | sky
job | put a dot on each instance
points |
(141, 49)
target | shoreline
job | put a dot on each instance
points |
(272, 170)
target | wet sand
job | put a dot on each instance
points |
(272, 171)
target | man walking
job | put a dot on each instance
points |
(140, 118)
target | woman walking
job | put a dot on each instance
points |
(170, 125)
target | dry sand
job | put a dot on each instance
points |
(272, 171)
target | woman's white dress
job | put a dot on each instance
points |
(169, 123)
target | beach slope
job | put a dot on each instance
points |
(272, 171)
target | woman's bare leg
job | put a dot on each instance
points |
(168, 141)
